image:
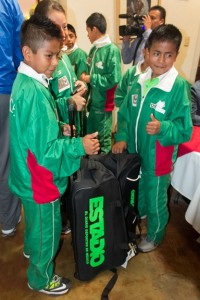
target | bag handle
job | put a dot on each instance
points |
(132, 179)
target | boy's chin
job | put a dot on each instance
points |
(49, 74)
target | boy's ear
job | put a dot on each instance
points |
(94, 29)
(27, 52)
(147, 50)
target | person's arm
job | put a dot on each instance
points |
(195, 98)
(51, 149)
(123, 86)
(81, 63)
(17, 19)
(177, 128)
(111, 74)
(128, 49)
(122, 123)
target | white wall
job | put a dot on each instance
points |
(26, 5)
(78, 11)
(182, 13)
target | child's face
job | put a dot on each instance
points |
(71, 39)
(45, 60)
(92, 34)
(162, 56)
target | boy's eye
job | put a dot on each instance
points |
(156, 54)
(168, 55)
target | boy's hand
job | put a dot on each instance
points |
(66, 130)
(81, 87)
(153, 127)
(78, 101)
(85, 77)
(119, 147)
(91, 143)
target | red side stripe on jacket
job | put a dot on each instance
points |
(44, 189)
(109, 106)
(163, 159)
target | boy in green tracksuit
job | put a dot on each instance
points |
(42, 158)
(104, 62)
(152, 120)
(78, 58)
(76, 55)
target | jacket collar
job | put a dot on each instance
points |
(68, 51)
(103, 41)
(27, 70)
(166, 80)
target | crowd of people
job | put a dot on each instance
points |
(42, 66)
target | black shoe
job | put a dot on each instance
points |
(66, 229)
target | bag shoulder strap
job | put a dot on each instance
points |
(110, 285)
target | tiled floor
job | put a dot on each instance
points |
(171, 272)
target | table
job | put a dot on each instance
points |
(186, 176)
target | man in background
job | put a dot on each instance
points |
(132, 51)
(11, 18)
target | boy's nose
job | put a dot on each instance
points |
(161, 58)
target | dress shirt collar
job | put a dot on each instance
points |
(27, 70)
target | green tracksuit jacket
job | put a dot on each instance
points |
(169, 103)
(37, 145)
(126, 83)
(62, 85)
(78, 59)
(104, 63)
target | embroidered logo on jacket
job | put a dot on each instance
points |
(63, 84)
(99, 65)
(159, 107)
(134, 100)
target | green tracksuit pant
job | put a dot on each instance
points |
(152, 203)
(101, 121)
(41, 240)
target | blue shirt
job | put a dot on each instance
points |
(128, 49)
(11, 18)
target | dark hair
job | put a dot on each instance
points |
(161, 10)
(45, 6)
(163, 33)
(36, 30)
(97, 20)
(71, 28)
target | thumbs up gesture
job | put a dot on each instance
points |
(153, 127)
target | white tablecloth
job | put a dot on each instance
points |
(186, 180)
